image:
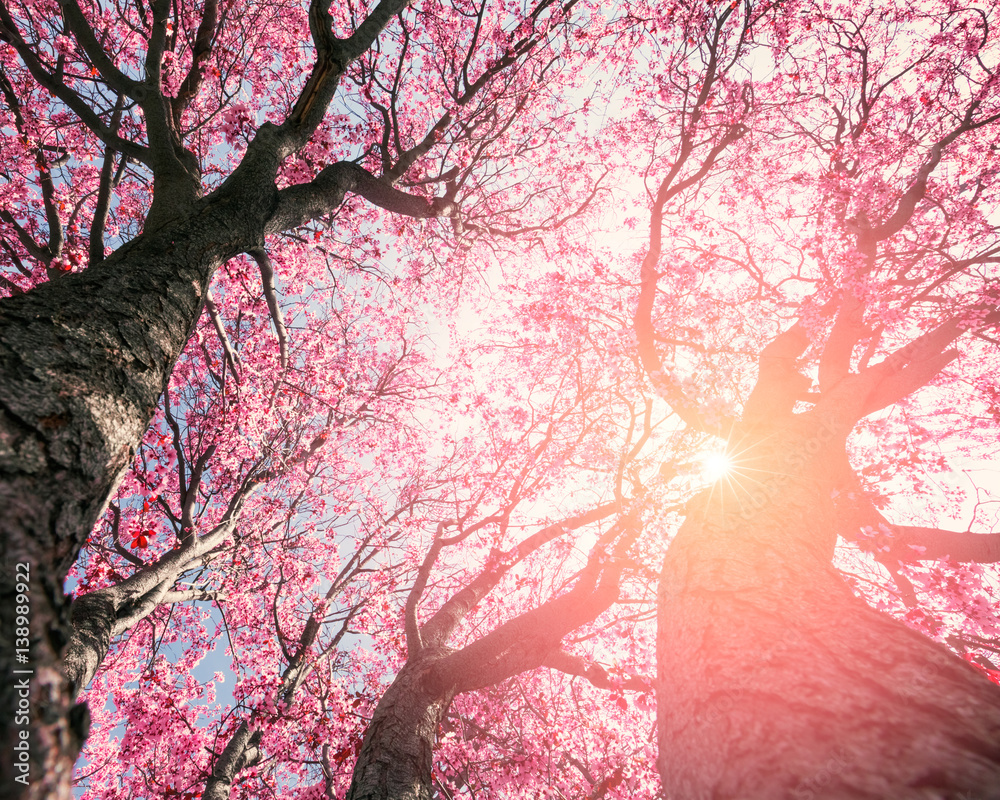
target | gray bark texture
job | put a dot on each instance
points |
(775, 680)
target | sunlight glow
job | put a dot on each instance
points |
(716, 466)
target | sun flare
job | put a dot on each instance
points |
(716, 466)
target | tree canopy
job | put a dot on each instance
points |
(477, 399)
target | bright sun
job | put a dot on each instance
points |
(716, 466)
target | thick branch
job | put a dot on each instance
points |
(911, 543)
(242, 751)
(160, 13)
(909, 368)
(109, 181)
(865, 524)
(200, 52)
(524, 642)
(414, 639)
(835, 363)
(192, 594)
(779, 383)
(308, 201)
(77, 23)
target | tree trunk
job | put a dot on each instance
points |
(396, 758)
(775, 681)
(83, 361)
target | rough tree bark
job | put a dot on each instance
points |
(396, 757)
(775, 680)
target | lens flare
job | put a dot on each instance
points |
(716, 466)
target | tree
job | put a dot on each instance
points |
(449, 652)
(878, 282)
